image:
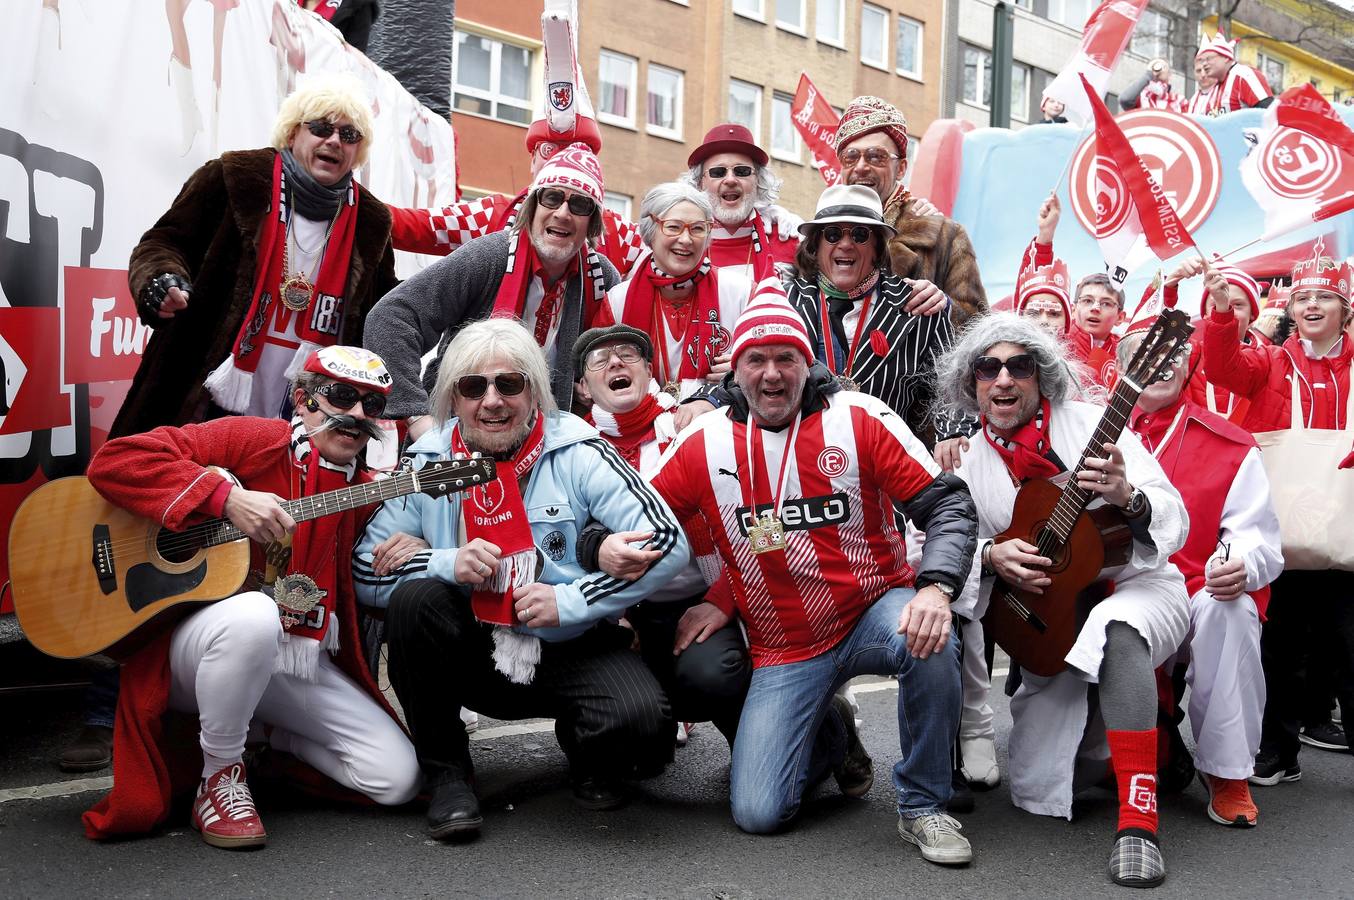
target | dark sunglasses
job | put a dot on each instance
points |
(508, 384)
(987, 368)
(860, 234)
(345, 396)
(721, 171)
(551, 198)
(322, 128)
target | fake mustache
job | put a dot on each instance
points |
(345, 422)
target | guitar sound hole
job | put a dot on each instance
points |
(175, 547)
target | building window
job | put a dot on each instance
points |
(745, 107)
(1152, 37)
(977, 76)
(1020, 92)
(1072, 13)
(785, 141)
(907, 49)
(874, 36)
(832, 22)
(1274, 70)
(492, 78)
(616, 105)
(790, 15)
(752, 9)
(618, 203)
(665, 102)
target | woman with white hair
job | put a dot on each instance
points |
(685, 305)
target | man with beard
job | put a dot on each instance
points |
(499, 616)
(542, 272)
(798, 484)
(1011, 372)
(931, 252)
(246, 665)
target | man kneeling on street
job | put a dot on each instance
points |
(799, 481)
(498, 616)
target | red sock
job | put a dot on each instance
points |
(1134, 757)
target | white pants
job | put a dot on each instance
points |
(1227, 685)
(977, 718)
(221, 667)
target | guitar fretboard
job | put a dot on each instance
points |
(221, 531)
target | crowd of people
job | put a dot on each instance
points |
(741, 458)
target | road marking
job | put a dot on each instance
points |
(56, 789)
(498, 731)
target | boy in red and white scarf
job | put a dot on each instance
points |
(301, 680)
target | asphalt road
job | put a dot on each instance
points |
(675, 839)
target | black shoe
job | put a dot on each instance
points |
(1327, 736)
(91, 750)
(1270, 771)
(961, 795)
(598, 793)
(453, 811)
(855, 773)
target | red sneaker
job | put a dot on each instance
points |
(224, 811)
(1229, 801)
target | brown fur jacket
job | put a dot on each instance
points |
(938, 250)
(210, 236)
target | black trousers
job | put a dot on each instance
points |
(707, 681)
(1310, 617)
(611, 716)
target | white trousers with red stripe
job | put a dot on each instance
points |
(221, 662)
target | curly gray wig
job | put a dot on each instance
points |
(954, 371)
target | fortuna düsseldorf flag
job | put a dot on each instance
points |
(1300, 168)
(1130, 205)
(1103, 41)
(817, 125)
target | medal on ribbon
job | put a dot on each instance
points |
(296, 595)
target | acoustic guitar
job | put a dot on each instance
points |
(87, 574)
(1037, 630)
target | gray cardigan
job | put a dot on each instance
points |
(430, 308)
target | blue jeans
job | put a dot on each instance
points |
(789, 736)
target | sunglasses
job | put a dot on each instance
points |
(344, 397)
(721, 171)
(987, 368)
(553, 198)
(601, 356)
(875, 156)
(508, 384)
(675, 227)
(322, 128)
(860, 234)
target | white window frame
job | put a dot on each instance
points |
(1020, 111)
(839, 40)
(897, 43)
(800, 28)
(1142, 37)
(628, 120)
(796, 155)
(677, 106)
(618, 203)
(1057, 12)
(756, 126)
(492, 95)
(984, 67)
(758, 16)
(883, 61)
(1262, 61)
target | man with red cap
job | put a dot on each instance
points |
(1236, 85)
(931, 251)
(798, 484)
(543, 272)
(282, 663)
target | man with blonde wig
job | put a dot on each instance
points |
(498, 615)
(265, 256)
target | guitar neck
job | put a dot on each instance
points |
(222, 531)
(1074, 500)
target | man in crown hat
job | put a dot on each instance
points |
(1237, 85)
(284, 662)
(542, 272)
(931, 251)
(1042, 285)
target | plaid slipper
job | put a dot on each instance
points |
(1136, 859)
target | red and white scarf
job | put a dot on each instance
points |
(511, 300)
(1025, 451)
(231, 383)
(703, 336)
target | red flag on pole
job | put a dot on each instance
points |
(1103, 40)
(817, 125)
(1129, 203)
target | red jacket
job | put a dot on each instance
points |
(161, 475)
(1100, 360)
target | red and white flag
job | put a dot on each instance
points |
(817, 125)
(1103, 41)
(1300, 168)
(1131, 207)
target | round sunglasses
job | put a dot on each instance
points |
(322, 128)
(343, 396)
(508, 384)
(860, 234)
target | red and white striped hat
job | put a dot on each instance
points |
(1237, 278)
(574, 168)
(1220, 45)
(1051, 279)
(770, 319)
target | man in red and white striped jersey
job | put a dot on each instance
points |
(798, 481)
(1239, 86)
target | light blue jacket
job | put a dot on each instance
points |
(578, 478)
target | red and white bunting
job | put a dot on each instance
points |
(1104, 38)
(817, 125)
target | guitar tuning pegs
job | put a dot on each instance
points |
(475, 455)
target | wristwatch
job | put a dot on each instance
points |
(1137, 504)
(946, 589)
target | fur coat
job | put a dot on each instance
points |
(938, 250)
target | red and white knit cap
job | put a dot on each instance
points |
(1051, 279)
(770, 319)
(351, 365)
(575, 168)
(1220, 45)
(1321, 273)
(1237, 278)
(866, 114)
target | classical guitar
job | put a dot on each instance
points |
(86, 574)
(1037, 630)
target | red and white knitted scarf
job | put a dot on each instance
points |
(1024, 452)
(511, 300)
(703, 335)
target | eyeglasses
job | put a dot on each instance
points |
(860, 234)
(1092, 303)
(674, 228)
(600, 357)
(721, 171)
(875, 156)
(508, 384)
(987, 368)
(553, 198)
(344, 396)
(322, 128)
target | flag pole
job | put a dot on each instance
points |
(1067, 166)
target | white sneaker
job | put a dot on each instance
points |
(471, 720)
(937, 836)
(980, 763)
